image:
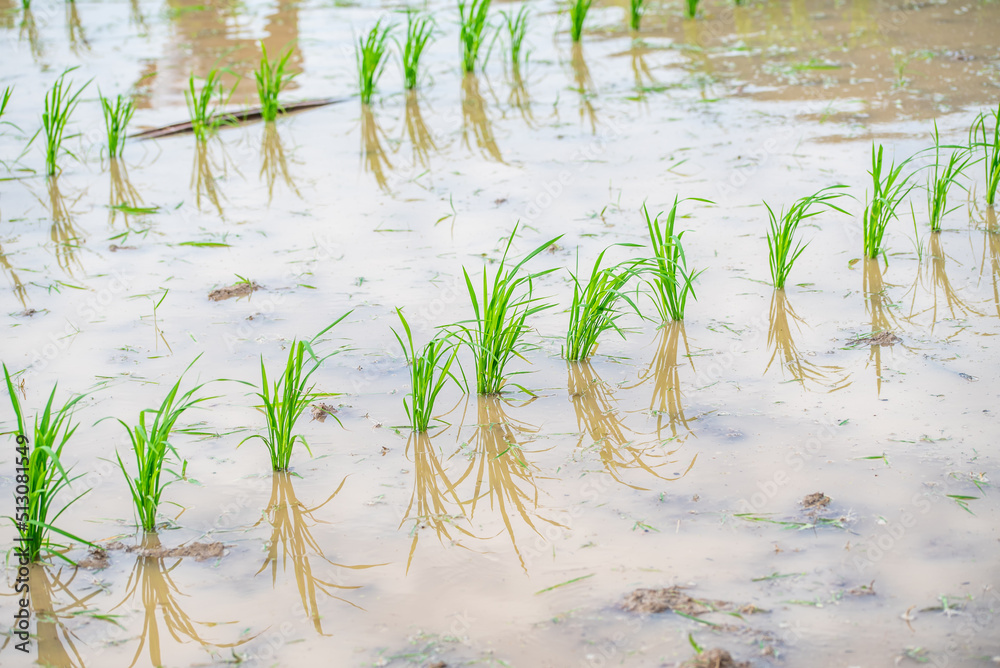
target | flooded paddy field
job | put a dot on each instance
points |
(799, 477)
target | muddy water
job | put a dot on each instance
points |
(678, 456)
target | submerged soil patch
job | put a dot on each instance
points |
(880, 339)
(243, 289)
(671, 598)
(200, 551)
(714, 658)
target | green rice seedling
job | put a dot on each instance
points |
(941, 180)
(496, 333)
(205, 117)
(636, 8)
(577, 14)
(781, 236)
(370, 55)
(595, 307)
(40, 475)
(473, 25)
(151, 448)
(272, 77)
(7, 92)
(430, 370)
(690, 8)
(517, 29)
(116, 119)
(671, 282)
(60, 102)
(981, 138)
(419, 31)
(888, 191)
(286, 398)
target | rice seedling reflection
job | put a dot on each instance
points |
(74, 30)
(274, 162)
(664, 371)
(123, 198)
(28, 30)
(52, 600)
(434, 502)
(645, 82)
(417, 131)
(880, 309)
(597, 417)
(374, 158)
(782, 345)
(66, 238)
(208, 161)
(499, 471)
(16, 283)
(584, 86)
(938, 284)
(476, 123)
(292, 543)
(152, 590)
(991, 256)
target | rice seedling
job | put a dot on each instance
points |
(430, 370)
(636, 8)
(205, 118)
(595, 307)
(473, 25)
(577, 15)
(419, 31)
(151, 447)
(370, 55)
(286, 398)
(672, 282)
(7, 92)
(888, 191)
(690, 8)
(40, 475)
(60, 102)
(271, 77)
(980, 137)
(781, 236)
(517, 29)
(941, 179)
(496, 333)
(116, 118)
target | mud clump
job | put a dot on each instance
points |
(321, 411)
(96, 560)
(714, 658)
(200, 551)
(815, 501)
(671, 598)
(879, 339)
(241, 289)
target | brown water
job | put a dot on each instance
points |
(646, 467)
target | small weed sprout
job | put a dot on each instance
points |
(272, 77)
(419, 31)
(888, 191)
(989, 143)
(41, 476)
(495, 334)
(671, 281)
(517, 29)
(151, 448)
(594, 309)
(473, 25)
(636, 8)
(205, 117)
(60, 101)
(781, 235)
(117, 115)
(939, 181)
(371, 56)
(430, 370)
(577, 15)
(285, 399)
